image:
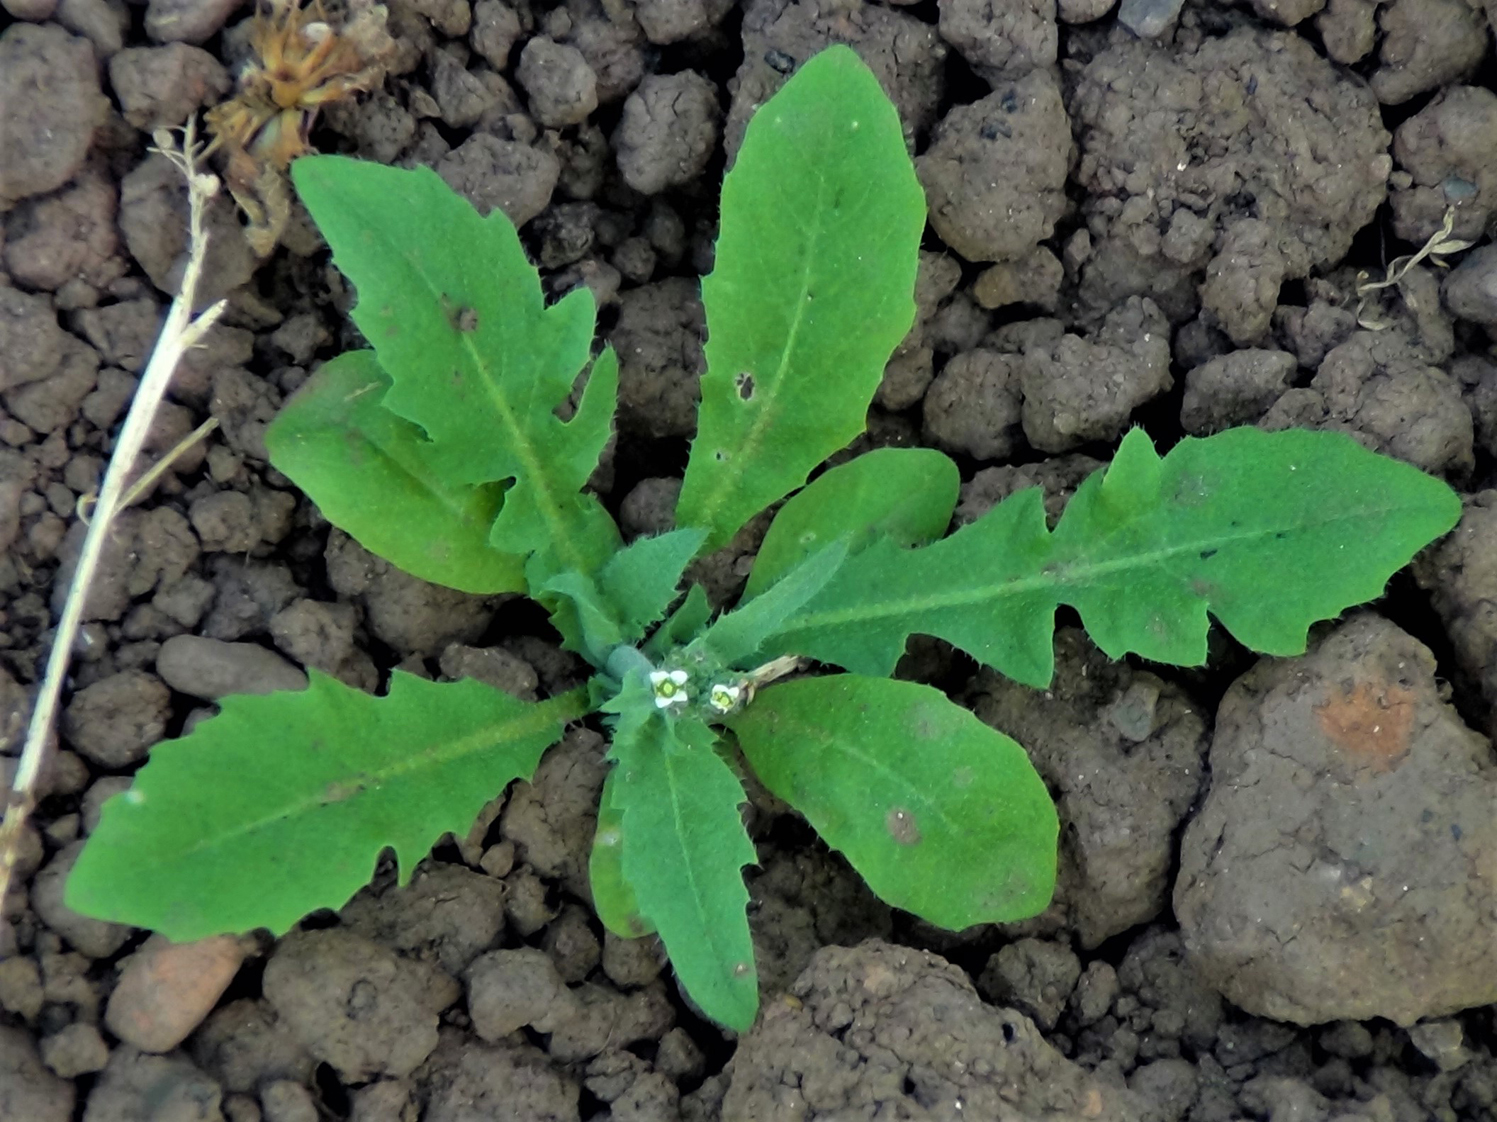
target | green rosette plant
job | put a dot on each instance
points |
(444, 449)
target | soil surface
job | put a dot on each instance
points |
(1278, 885)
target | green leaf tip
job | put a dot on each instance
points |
(192, 851)
(811, 291)
(456, 315)
(1270, 532)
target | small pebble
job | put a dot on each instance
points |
(211, 668)
(1148, 18)
(75, 1050)
(166, 989)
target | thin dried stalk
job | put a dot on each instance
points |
(180, 332)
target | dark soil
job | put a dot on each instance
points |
(1278, 891)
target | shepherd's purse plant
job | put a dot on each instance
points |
(445, 450)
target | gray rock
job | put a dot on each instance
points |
(187, 21)
(1002, 41)
(115, 721)
(162, 86)
(1121, 798)
(658, 338)
(211, 668)
(995, 171)
(50, 104)
(512, 989)
(1234, 389)
(355, 1005)
(136, 1086)
(562, 87)
(1471, 289)
(884, 1031)
(1148, 19)
(31, 342)
(27, 1089)
(1427, 44)
(77, 1049)
(668, 132)
(1335, 869)
(1033, 976)
(906, 54)
(1449, 149)
(1086, 389)
(973, 406)
(501, 174)
(469, 1081)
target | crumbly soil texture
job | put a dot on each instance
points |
(1278, 877)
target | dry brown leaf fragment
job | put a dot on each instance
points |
(299, 62)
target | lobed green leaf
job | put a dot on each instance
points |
(374, 475)
(217, 836)
(904, 494)
(811, 291)
(1270, 532)
(456, 315)
(942, 816)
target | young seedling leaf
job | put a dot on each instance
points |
(686, 848)
(683, 625)
(456, 315)
(613, 898)
(1271, 532)
(643, 578)
(372, 474)
(904, 494)
(942, 816)
(193, 850)
(587, 622)
(811, 291)
(735, 637)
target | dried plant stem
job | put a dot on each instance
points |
(180, 332)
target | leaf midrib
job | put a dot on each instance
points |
(524, 450)
(556, 710)
(753, 439)
(1075, 574)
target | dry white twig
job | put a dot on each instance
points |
(1439, 245)
(180, 332)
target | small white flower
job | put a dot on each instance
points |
(723, 696)
(669, 687)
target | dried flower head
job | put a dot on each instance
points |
(299, 63)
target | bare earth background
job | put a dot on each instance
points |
(1279, 877)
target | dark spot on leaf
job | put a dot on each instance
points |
(962, 777)
(1208, 554)
(1281, 535)
(901, 826)
(992, 130)
(779, 61)
(720, 456)
(745, 383)
(465, 319)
